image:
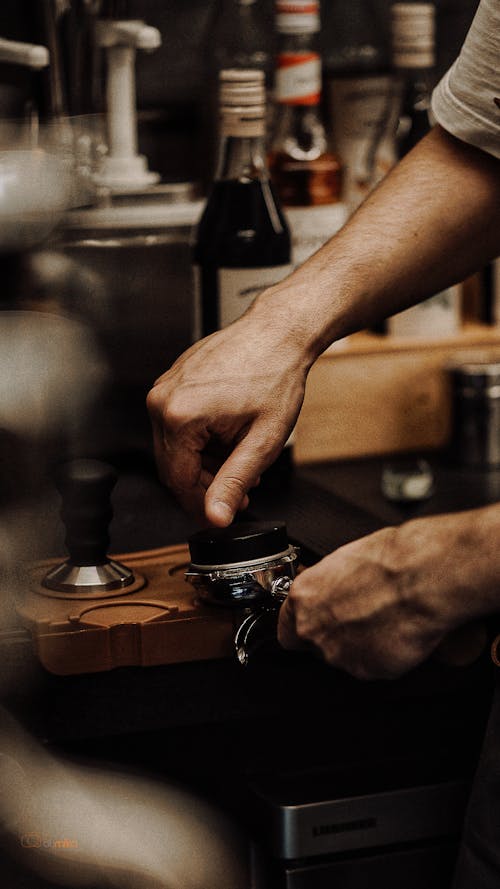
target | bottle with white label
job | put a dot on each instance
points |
(242, 241)
(362, 95)
(413, 53)
(304, 171)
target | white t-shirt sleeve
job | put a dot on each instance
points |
(466, 102)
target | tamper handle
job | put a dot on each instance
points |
(85, 486)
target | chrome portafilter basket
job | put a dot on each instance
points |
(248, 567)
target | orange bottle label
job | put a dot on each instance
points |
(298, 78)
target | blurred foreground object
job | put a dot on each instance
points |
(34, 191)
(50, 368)
(80, 825)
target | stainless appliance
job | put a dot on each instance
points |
(377, 828)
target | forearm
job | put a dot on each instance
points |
(431, 222)
(451, 563)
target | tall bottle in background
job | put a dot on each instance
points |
(304, 171)
(237, 36)
(362, 95)
(242, 241)
(413, 59)
(413, 50)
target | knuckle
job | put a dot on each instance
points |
(304, 626)
(234, 485)
(171, 408)
(176, 412)
(153, 400)
(296, 592)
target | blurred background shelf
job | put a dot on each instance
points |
(372, 394)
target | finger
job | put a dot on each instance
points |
(179, 467)
(287, 637)
(235, 478)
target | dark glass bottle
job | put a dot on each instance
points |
(413, 58)
(242, 241)
(237, 35)
(361, 93)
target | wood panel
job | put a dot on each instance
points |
(373, 395)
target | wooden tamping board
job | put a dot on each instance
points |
(156, 620)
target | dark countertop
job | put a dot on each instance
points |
(288, 701)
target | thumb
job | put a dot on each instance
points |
(236, 476)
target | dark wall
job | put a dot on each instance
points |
(175, 72)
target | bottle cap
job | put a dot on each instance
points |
(297, 16)
(413, 35)
(242, 87)
(242, 98)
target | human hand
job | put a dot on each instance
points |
(223, 412)
(379, 606)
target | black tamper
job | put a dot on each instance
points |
(85, 487)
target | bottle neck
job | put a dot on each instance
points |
(299, 132)
(417, 89)
(242, 158)
(237, 37)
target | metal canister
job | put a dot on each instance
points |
(476, 412)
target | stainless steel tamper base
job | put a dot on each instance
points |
(87, 580)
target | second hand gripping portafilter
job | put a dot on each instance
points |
(249, 566)
(85, 487)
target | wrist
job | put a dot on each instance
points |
(451, 564)
(296, 310)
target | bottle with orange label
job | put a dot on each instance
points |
(304, 171)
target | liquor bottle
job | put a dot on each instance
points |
(304, 171)
(242, 240)
(362, 94)
(413, 49)
(237, 35)
(413, 59)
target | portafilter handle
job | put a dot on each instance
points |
(260, 626)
